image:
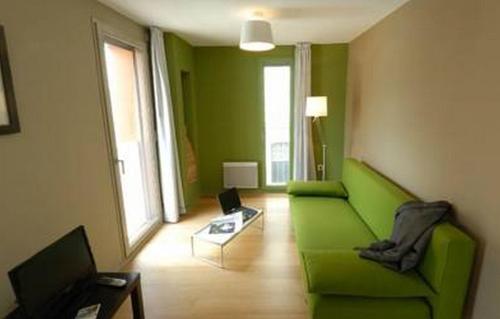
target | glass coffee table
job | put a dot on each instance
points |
(221, 240)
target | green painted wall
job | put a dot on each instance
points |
(230, 108)
(231, 112)
(180, 58)
(328, 77)
(225, 117)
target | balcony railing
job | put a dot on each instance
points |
(279, 163)
(280, 172)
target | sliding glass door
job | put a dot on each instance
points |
(130, 121)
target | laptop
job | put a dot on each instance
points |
(230, 203)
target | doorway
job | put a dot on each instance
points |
(277, 88)
(130, 121)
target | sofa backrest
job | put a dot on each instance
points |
(373, 197)
(447, 262)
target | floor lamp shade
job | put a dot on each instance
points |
(256, 35)
(316, 106)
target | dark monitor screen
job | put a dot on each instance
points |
(229, 200)
(54, 271)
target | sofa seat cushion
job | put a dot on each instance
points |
(342, 307)
(327, 223)
(345, 273)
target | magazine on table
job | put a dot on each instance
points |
(90, 312)
(227, 224)
(248, 213)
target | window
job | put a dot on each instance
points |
(277, 124)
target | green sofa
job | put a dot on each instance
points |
(331, 218)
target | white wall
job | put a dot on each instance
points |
(424, 109)
(55, 174)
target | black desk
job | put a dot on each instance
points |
(110, 299)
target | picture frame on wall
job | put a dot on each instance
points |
(9, 122)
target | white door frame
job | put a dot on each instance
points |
(108, 34)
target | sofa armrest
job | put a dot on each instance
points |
(317, 188)
(344, 273)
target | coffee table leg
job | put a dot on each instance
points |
(192, 246)
(137, 305)
(212, 261)
(221, 256)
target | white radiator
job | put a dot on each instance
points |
(241, 174)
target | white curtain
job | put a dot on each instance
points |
(303, 154)
(170, 176)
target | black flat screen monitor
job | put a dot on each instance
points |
(53, 273)
(229, 200)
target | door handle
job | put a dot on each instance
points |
(121, 163)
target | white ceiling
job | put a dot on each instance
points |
(217, 22)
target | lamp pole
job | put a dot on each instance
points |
(317, 120)
(323, 172)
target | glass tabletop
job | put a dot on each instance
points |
(224, 238)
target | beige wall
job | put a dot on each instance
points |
(424, 107)
(55, 175)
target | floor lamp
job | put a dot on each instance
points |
(316, 107)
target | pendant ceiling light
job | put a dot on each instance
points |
(256, 35)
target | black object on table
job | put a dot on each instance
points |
(110, 298)
(61, 279)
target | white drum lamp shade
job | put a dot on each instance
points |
(256, 35)
(316, 106)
